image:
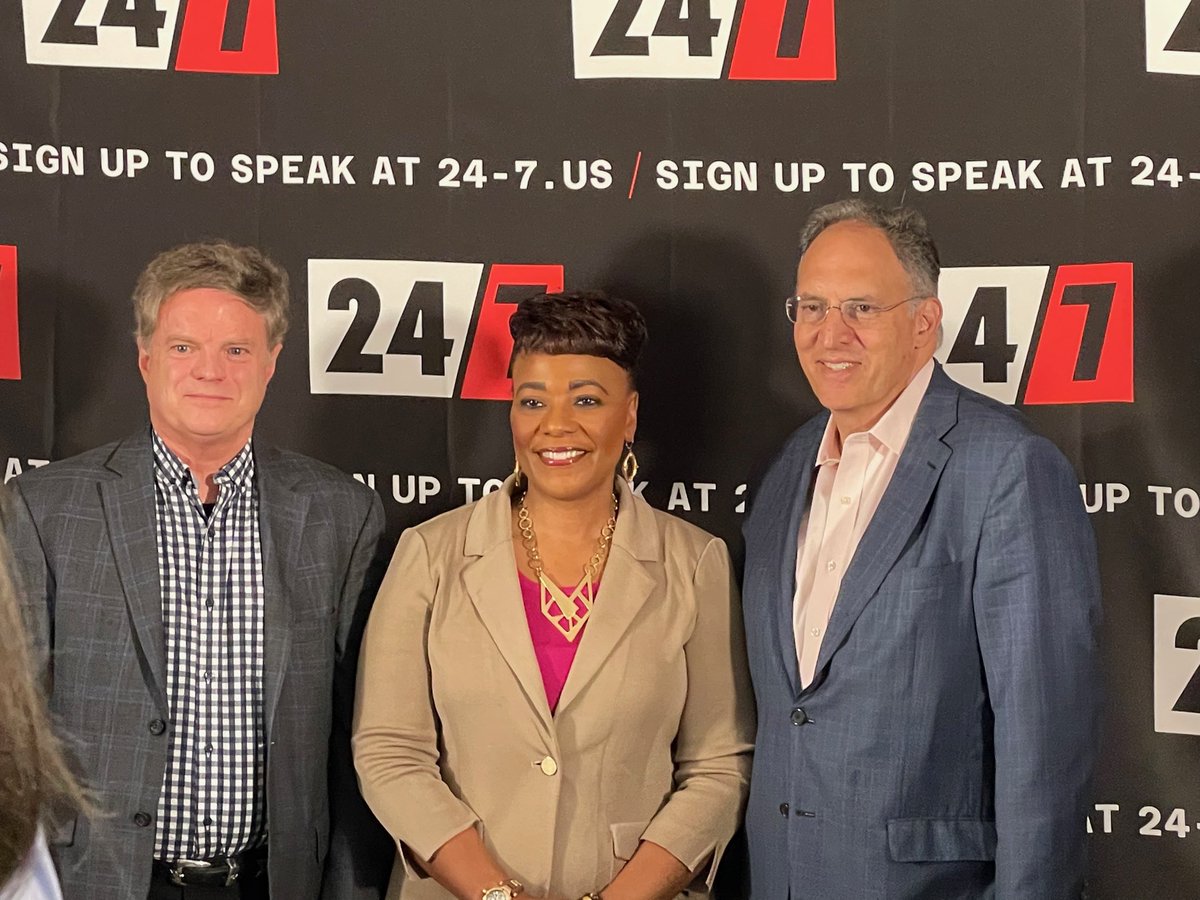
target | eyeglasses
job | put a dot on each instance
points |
(855, 312)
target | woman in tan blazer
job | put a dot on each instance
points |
(553, 698)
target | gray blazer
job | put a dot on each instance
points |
(945, 745)
(83, 533)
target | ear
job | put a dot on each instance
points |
(631, 417)
(143, 359)
(928, 320)
(274, 357)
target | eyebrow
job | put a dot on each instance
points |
(179, 338)
(573, 386)
(865, 297)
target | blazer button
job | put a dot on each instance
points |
(783, 809)
(141, 819)
(157, 726)
(799, 716)
(548, 766)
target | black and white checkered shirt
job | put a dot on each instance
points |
(210, 566)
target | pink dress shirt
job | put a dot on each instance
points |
(555, 653)
(850, 483)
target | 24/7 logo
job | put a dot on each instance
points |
(10, 341)
(1083, 352)
(402, 327)
(1173, 36)
(229, 36)
(777, 40)
(1176, 664)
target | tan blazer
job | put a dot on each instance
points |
(653, 733)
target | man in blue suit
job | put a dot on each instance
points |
(921, 600)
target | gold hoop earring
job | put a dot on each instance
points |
(629, 464)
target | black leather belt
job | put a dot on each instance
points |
(223, 871)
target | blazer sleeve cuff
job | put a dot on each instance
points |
(700, 855)
(416, 849)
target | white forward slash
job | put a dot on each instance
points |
(1195, 176)
(500, 176)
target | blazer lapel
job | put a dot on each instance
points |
(624, 589)
(282, 511)
(904, 502)
(128, 503)
(491, 582)
(793, 505)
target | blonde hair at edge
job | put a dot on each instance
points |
(34, 777)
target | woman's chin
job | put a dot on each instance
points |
(568, 483)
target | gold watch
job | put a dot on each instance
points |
(505, 890)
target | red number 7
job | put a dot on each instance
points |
(486, 377)
(236, 37)
(10, 342)
(785, 40)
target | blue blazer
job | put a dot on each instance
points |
(945, 745)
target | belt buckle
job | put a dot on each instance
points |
(181, 867)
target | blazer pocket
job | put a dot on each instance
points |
(625, 838)
(62, 834)
(941, 840)
(321, 842)
(930, 578)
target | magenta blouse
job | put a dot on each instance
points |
(555, 653)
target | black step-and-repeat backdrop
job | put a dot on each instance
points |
(419, 167)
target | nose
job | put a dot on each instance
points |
(208, 365)
(559, 418)
(835, 331)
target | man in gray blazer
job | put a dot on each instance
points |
(197, 600)
(921, 599)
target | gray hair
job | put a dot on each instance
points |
(905, 229)
(218, 265)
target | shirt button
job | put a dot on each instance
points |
(799, 716)
(207, 676)
(157, 726)
(209, 603)
(207, 821)
(783, 809)
(831, 565)
(208, 749)
(846, 501)
(141, 819)
(548, 766)
(816, 632)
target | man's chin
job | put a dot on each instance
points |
(834, 400)
(209, 432)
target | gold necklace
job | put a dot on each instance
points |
(566, 613)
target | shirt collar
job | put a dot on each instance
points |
(894, 426)
(170, 469)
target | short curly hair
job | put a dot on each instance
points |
(589, 323)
